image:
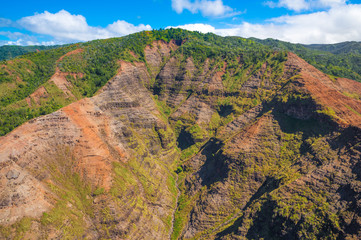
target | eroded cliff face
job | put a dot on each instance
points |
(106, 161)
(286, 170)
(266, 151)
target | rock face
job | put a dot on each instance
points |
(98, 139)
(246, 184)
(268, 152)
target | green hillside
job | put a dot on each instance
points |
(10, 51)
(98, 63)
(197, 137)
(340, 60)
(338, 48)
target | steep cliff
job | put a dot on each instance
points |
(286, 170)
(194, 136)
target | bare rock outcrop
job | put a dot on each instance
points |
(114, 128)
(271, 150)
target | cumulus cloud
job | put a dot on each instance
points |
(19, 42)
(296, 5)
(18, 38)
(326, 3)
(123, 28)
(27, 42)
(299, 5)
(208, 8)
(332, 26)
(200, 27)
(337, 23)
(66, 27)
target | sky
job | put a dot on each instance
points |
(47, 22)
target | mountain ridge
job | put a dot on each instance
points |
(341, 59)
(10, 51)
(192, 142)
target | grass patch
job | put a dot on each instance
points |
(353, 110)
(185, 205)
(75, 196)
(328, 111)
(352, 95)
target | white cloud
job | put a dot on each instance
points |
(332, 26)
(18, 42)
(339, 22)
(200, 27)
(327, 3)
(296, 5)
(26, 42)
(18, 38)
(299, 5)
(123, 28)
(11, 35)
(4, 22)
(208, 8)
(65, 27)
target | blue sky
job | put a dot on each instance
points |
(298, 21)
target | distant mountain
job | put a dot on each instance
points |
(338, 48)
(10, 51)
(340, 60)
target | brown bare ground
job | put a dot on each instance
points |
(81, 125)
(329, 93)
(79, 50)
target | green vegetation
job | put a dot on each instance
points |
(274, 210)
(352, 95)
(11, 51)
(74, 199)
(96, 62)
(20, 228)
(20, 77)
(75, 203)
(184, 206)
(159, 157)
(338, 48)
(341, 60)
(328, 112)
